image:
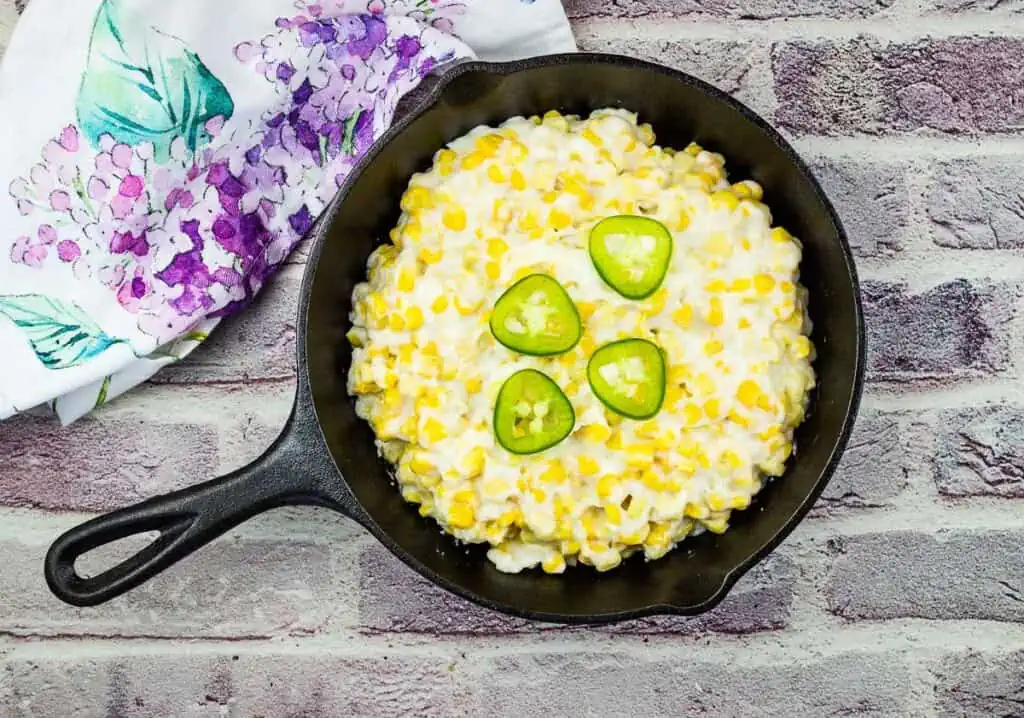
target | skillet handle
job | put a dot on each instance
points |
(286, 474)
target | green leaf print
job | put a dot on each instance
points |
(61, 334)
(142, 85)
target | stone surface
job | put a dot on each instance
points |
(953, 330)
(582, 10)
(949, 575)
(977, 204)
(979, 686)
(956, 85)
(980, 452)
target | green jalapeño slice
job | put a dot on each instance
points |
(536, 316)
(628, 376)
(532, 413)
(631, 253)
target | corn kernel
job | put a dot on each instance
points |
(473, 462)
(517, 180)
(595, 433)
(606, 485)
(743, 323)
(439, 305)
(461, 516)
(466, 310)
(748, 393)
(429, 255)
(780, 235)
(553, 564)
(712, 409)
(724, 199)
(414, 317)
(764, 283)
(396, 323)
(613, 513)
(492, 270)
(741, 284)
(739, 501)
(539, 495)
(587, 465)
(695, 511)
(592, 137)
(802, 347)
(683, 316)
(454, 218)
(713, 347)
(554, 473)
(716, 312)
(558, 219)
(434, 430)
(406, 280)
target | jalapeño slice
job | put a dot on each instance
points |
(532, 413)
(628, 376)
(536, 316)
(631, 253)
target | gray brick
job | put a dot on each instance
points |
(265, 685)
(612, 683)
(974, 685)
(723, 63)
(872, 200)
(954, 330)
(99, 463)
(980, 452)
(737, 9)
(256, 345)
(977, 204)
(396, 599)
(906, 574)
(234, 587)
(961, 85)
(875, 467)
(1007, 6)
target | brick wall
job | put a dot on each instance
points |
(902, 594)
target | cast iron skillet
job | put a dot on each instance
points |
(326, 456)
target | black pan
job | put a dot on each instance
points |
(325, 455)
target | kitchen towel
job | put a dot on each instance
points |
(159, 160)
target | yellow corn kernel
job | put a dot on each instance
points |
(474, 385)
(461, 516)
(712, 347)
(646, 430)
(716, 502)
(517, 180)
(466, 310)
(613, 512)
(473, 462)
(738, 419)
(748, 393)
(587, 465)
(724, 199)
(539, 495)
(429, 255)
(731, 459)
(595, 433)
(742, 284)
(693, 414)
(683, 316)
(586, 309)
(652, 480)
(716, 312)
(558, 219)
(416, 198)
(717, 524)
(592, 137)
(739, 501)
(743, 323)
(802, 347)
(496, 247)
(439, 305)
(703, 384)
(421, 464)
(454, 218)
(396, 323)
(555, 563)
(554, 473)
(571, 389)
(780, 235)
(434, 430)
(695, 511)
(655, 303)
(646, 133)
(492, 270)
(764, 283)
(512, 517)
(606, 485)
(712, 408)
(494, 174)
(658, 535)
(473, 160)
(715, 285)
(406, 280)
(786, 287)
(414, 317)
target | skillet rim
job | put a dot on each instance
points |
(728, 580)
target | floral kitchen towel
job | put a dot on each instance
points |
(159, 160)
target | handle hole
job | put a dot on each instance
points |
(94, 562)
